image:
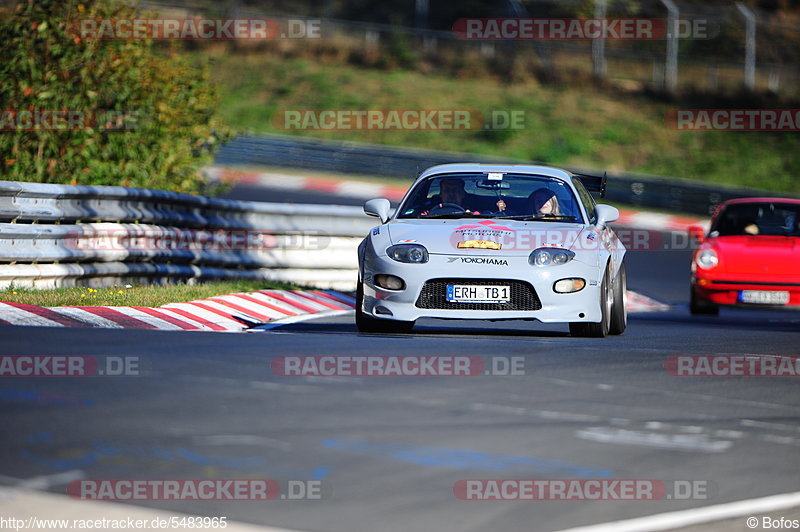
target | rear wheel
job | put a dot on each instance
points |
(702, 307)
(619, 312)
(368, 324)
(601, 329)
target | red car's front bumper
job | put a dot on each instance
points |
(728, 291)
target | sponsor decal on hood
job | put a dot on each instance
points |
(478, 260)
(506, 237)
(479, 244)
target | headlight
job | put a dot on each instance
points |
(412, 253)
(707, 259)
(389, 282)
(550, 257)
(568, 286)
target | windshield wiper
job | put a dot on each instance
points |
(451, 215)
(542, 218)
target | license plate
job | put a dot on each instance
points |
(764, 297)
(464, 293)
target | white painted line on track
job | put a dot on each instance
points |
(696, 516)
(44, 482)
(679, 442)
(241, 439)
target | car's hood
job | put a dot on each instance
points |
(777, 255)
(481, 236)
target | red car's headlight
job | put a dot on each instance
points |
(707, 259)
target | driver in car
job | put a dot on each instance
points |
(452, 192)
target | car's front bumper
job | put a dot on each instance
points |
(582, 306)
(727, 291)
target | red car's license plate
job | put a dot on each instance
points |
(764, 297)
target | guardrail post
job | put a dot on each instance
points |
(599, 44)
(774, 82)
(421, 13)
(713, 78)
(372, 38)
(750, 46)
(671, 69)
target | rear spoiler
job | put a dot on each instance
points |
(594, 183)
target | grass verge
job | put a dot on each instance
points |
(132, 296)
(564, 124)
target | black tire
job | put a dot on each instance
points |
(619, 312)
(601, 329)
(368, 324)
(701, 307)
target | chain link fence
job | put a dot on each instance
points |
(705, 47)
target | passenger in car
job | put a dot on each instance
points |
(544, 202)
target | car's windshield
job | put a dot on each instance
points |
(763, 218)
(492, 195)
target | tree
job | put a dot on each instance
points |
(144, 115)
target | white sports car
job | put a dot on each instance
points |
(494, 242)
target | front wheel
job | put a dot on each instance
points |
(368, 324)
(702, 307)
(601, 329)
(619, 312)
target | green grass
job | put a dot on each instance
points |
(135, 296)
(568, 125)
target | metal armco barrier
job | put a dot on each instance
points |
(679, 195)
(61, 235)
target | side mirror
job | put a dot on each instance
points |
(378, 207)
(606, 214)
(697, 233)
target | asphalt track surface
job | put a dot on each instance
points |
(389, 450)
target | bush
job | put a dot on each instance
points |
(155, 110)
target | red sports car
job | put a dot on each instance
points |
(750, 257)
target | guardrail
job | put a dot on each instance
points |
(62, 235)
(675, 194)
